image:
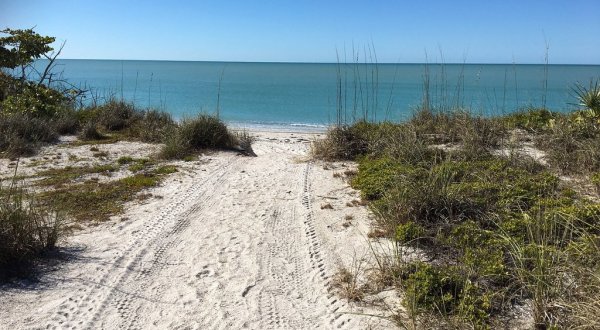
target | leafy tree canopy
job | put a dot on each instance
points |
(21, 47)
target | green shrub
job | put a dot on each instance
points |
(375, 176)
(203, 132)
(206, 131)
(436, 288)
(409, 232)
(35, 101)
(117, 115)
(532, 119)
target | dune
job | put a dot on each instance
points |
(227, 242)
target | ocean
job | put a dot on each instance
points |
(311, 95)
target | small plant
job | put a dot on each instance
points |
(125, 160)
(589, 97)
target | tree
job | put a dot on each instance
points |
(21, 47)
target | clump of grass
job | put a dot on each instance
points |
(23, 134)
(125, 160)
(344, 142)
(153, 126)
(244, 142)
(90, 132)
(192, 135)
(166, 169)
(27, 230)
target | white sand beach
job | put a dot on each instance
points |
(227, 242)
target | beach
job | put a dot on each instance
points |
(226, 242)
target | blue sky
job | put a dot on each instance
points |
(311, 30)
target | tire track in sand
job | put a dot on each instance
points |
(84, 308)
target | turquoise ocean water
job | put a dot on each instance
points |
(307, 95)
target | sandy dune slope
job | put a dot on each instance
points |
(233, 242)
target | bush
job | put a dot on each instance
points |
(344, 142)
(90, 132)
(202, 132)
(116, 115)
(35, 101)
(153, 126)
(23, 134)
(376, 176)
(430, 287)
(532, 119)
(27, 230)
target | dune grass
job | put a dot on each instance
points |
(497, 229)
(28, 230)
(200, 133)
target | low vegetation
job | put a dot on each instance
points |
(28, 230)
(494, 228)
(35, 110)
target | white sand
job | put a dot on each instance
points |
(233, 242)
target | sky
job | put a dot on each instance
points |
(417, 31)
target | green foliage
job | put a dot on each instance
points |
(165, 169)
(21, 47)
(206, 131)
(64, 176)
(409, 232)
(203, 132)
(107, 198)
(344, 142)
(589, 97)
(116, 115)
(429, 287)
(34, 100)
(124, 160)
(475, 305)
(375, 176)
(532, 119)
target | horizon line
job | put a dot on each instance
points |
(310, 62)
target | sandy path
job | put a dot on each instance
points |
(234, 243)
